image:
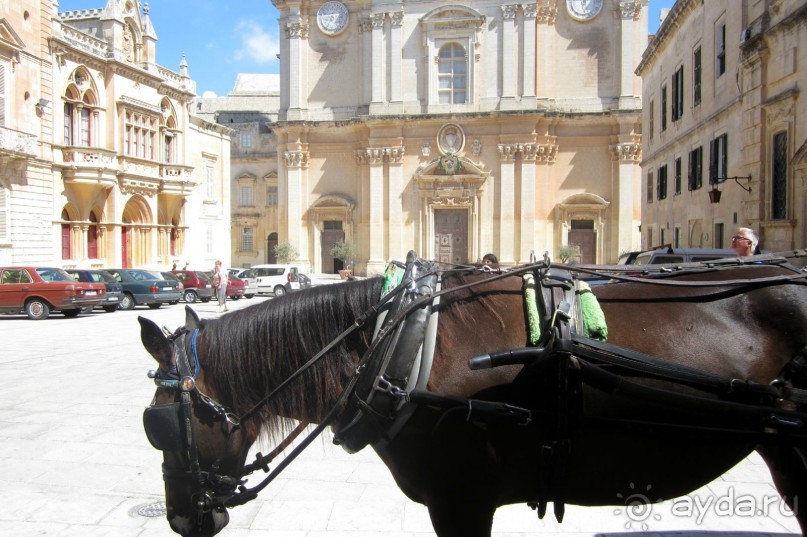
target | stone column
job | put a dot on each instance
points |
(528, 193)
(509, 52)
(396, 58)
(395, 248)
(545, 154)
(378, 73)
(546, 14)
(296, 162)
(627, 156)
(376, 262)
(629, 10)
(507, 179)
(297, 34)
(528, 63)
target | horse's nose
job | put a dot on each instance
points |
(212, 523)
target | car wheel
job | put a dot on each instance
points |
(111, 309)
(190, 296)
(127, 302)
(235, 297)
(72, 313)
(86, 309)
(248, 296)
(174, 303)
(37, 309)
(280, 290)
(156, 306)
(205, 299)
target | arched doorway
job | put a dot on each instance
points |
(332, 233)
(271, 243)
(136, 235)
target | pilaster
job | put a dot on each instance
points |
(509, 51)
(506, 235)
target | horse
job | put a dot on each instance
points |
(744, 322)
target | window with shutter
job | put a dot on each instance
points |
(3, 71)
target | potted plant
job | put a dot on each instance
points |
(285, 253)
(345, 251)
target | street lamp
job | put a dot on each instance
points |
(714, 194)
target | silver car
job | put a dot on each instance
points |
(248, 277)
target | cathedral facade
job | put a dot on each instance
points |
(458, 130)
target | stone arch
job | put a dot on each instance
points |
(580, 220)
(330, 220)
(136, 238)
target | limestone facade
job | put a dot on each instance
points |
(721, 91)
(457, 130)
(120, 167)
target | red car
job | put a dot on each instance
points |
(39, 290)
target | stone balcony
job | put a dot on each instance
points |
(89, 165)
(16, 144)
(176, 179)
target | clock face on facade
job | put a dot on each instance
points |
(583, 10)
(332, 17)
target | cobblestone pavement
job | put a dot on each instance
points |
(75, 461)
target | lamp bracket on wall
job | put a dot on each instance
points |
(714, 194)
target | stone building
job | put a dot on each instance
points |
(119, 168)
(250, 110)
(457, 130)
(725, 127)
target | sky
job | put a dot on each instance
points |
(221, 38)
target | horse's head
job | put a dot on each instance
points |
(203, 447)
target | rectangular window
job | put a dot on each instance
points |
(779, 175)
(664, 108)
(68, 124)
(246, 140)
(695, 168)
(271, 196)
(246, 196)
(677, 237)
(209, 190)
(85, 127)
(696, 77)
(652, 119)
(720, 50)
(139, 134)
(649, 187)
(678, 94)
(662, 183)
(247, 239)
(677, 171)
(718, 158)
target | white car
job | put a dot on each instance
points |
(273, 278)
(246, 275)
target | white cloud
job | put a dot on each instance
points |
(257, 43)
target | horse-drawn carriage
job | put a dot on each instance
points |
(547, 411)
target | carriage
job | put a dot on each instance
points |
(482, 388)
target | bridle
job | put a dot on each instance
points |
(169, 427)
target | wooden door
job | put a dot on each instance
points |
(451, 236)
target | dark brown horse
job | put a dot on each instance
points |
(749, 325)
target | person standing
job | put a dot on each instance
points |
(220, 284)
(745, 242)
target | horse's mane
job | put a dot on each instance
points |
(249, 352)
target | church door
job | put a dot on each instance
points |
(451, 235)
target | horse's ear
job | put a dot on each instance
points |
(192, 320)
(155, 341)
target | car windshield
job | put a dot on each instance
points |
(54, 275)
(202, 276)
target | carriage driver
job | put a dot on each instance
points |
(745, 242)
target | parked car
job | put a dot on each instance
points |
(303, 282)
(273, 278)
(39, 290)
(197, 285)
(665, 256)
(248, 277)
(114, 290)
(236, 288)
(143, 287)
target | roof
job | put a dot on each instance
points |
(256, 83)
